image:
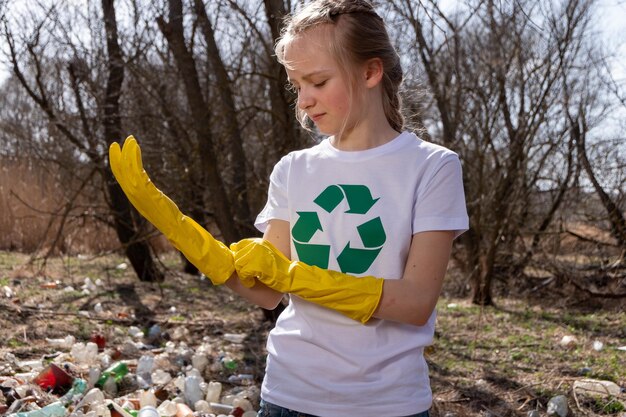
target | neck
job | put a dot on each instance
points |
(361, 138)
(371, 130)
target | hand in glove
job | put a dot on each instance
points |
(206, 253)
(355, 297)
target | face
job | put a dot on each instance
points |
(323, 92)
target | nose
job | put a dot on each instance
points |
(305, 98)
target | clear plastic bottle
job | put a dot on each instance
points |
(55, 409)
(148, 411)
(183, 410)
(147, 398)
(199, 361)
(167, 408)
(218, 408)
(213, 392)
(192, 390)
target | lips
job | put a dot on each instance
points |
(316, 117)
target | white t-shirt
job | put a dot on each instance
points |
(356, 212)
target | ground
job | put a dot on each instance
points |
(505, 360)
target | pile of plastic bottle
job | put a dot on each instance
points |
(133, 379)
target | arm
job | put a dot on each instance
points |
(278, 234)
(409, 300)
(413, 298)
(209, 255)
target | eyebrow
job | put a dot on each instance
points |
(311, 74)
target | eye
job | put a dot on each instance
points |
(320, 84)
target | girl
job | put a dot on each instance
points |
(357, 229)
(368, 217)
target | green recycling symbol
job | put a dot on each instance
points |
(350, 260)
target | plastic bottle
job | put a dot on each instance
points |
(183, 410)
(242, 403)
(192, 390)
(55, 409)
(167, 408)
(199, 361)
(93, 398)
(161, 377)
(235, 337)
(229, 363)
(93, 377)
(147, 398)
(78, 389)
(148, 411)
(118, 409)
(213, 392)
(202, 406)
(145, 365)
(84, 353)
(110, 386)
(99, 340)
(116, 370)
(53, 378)
(66, 342)
(241, 379)
(597, 387)
(218, 408)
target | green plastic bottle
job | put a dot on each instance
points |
(117, 371)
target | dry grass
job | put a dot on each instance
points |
(35, 199)
(495, 361)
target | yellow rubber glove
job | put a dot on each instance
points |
(355, 297)
(209, 255)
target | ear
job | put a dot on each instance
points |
(373, 72)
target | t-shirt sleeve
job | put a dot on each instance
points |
(440, 200)
(276, 206)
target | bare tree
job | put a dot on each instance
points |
(173, 30)
(82, 137)
(493, 71)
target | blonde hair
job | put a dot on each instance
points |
(359, 34)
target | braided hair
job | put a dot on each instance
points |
(360, 34)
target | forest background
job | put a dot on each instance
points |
(530, 94)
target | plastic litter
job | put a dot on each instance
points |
(86, 382)
(65, 343)
(53, 378)
(597, 388)
(56, 409)
(193, 392)
(558, 405)
(116, 371)
(214, 392)
(148, 411)
(235, 338)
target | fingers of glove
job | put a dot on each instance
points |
(133, 166)
(115, 156)
(277, 253)
(117, 167)
(148, 199)
(248, 263)
(243, 243)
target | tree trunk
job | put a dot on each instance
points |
(481, 282)
(241, 207)
(137, 251)
(616, 218)
(284, 123)
(174, 34)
